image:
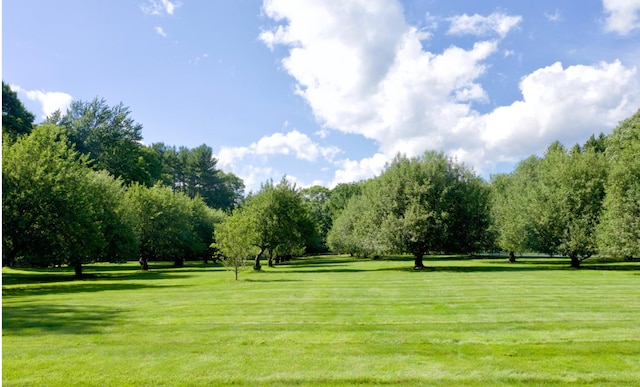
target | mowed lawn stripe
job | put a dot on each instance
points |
(328, 320)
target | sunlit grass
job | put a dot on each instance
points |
(325, 320)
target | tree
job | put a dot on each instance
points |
(417, 205)
(16, 120)
(553, 204)
(619, 230)
(317, 199)
(164, 227)
(231, 240)
(274, 221)
(49, 207)
(194, 172)
(109, 136)
(114, 217)
(511, 207)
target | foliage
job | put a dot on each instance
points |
(110, 137)
(16, 120)
(194, 172)
(274, 221)
(619, 232)
(230, 240)
(317, 200)
(552, 205)
(416, 205)
(165, 224)
(50, 208)
(115, 218)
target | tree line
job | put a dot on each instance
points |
(81, 187)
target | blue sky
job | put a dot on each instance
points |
(329, 91)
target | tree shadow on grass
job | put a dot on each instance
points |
(61, 319)
(73, 287)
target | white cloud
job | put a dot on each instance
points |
(483, 25)
(562, 104)
(50, 101)
(292, 143)
(350, 170)
(159, 7)
(363, 70)
(161, 32)
(623, 16)
(554, 17)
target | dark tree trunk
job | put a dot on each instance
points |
(144, 265)
(256, 264)
(418, 264)
(78, 268)
(178, 262)
(512, 257)
(575, 262)
(270, 261)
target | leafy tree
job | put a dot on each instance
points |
(317, 200)
(114, 217)
(194, 172)
(50, 208)
(273, 221)
(416, 205)
(16, 120)
(552, 205)
(340, 196)
(511, 206)
(567, 202)
(164, 227)
(619, 231)
(110, 137)
(231, 240)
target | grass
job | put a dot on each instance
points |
(325, 320)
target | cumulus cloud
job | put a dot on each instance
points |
(351, 170)
(561, 104)
(622, 16)
(159, 7)
(496, 23)
(292, 143)
(362, 69)
(50, 101)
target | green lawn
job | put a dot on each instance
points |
(325, 320)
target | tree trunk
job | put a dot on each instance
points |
(178, 262)
(512, 257)
(256, 264)
(575, 262)
(78, 268)
(418, 264)
(144, 265)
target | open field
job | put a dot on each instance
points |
(325, 320)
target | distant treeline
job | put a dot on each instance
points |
(81, 187)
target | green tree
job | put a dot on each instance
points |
(194, 172)
(114, 217)
(417, 205)
(317, 200)
(619, 230)
(16, 120)
(164, 226)
(274, 221)
(109, 136)
(232, 241)
(49, 207)
(511, 206)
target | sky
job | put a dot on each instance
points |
(329, 91)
